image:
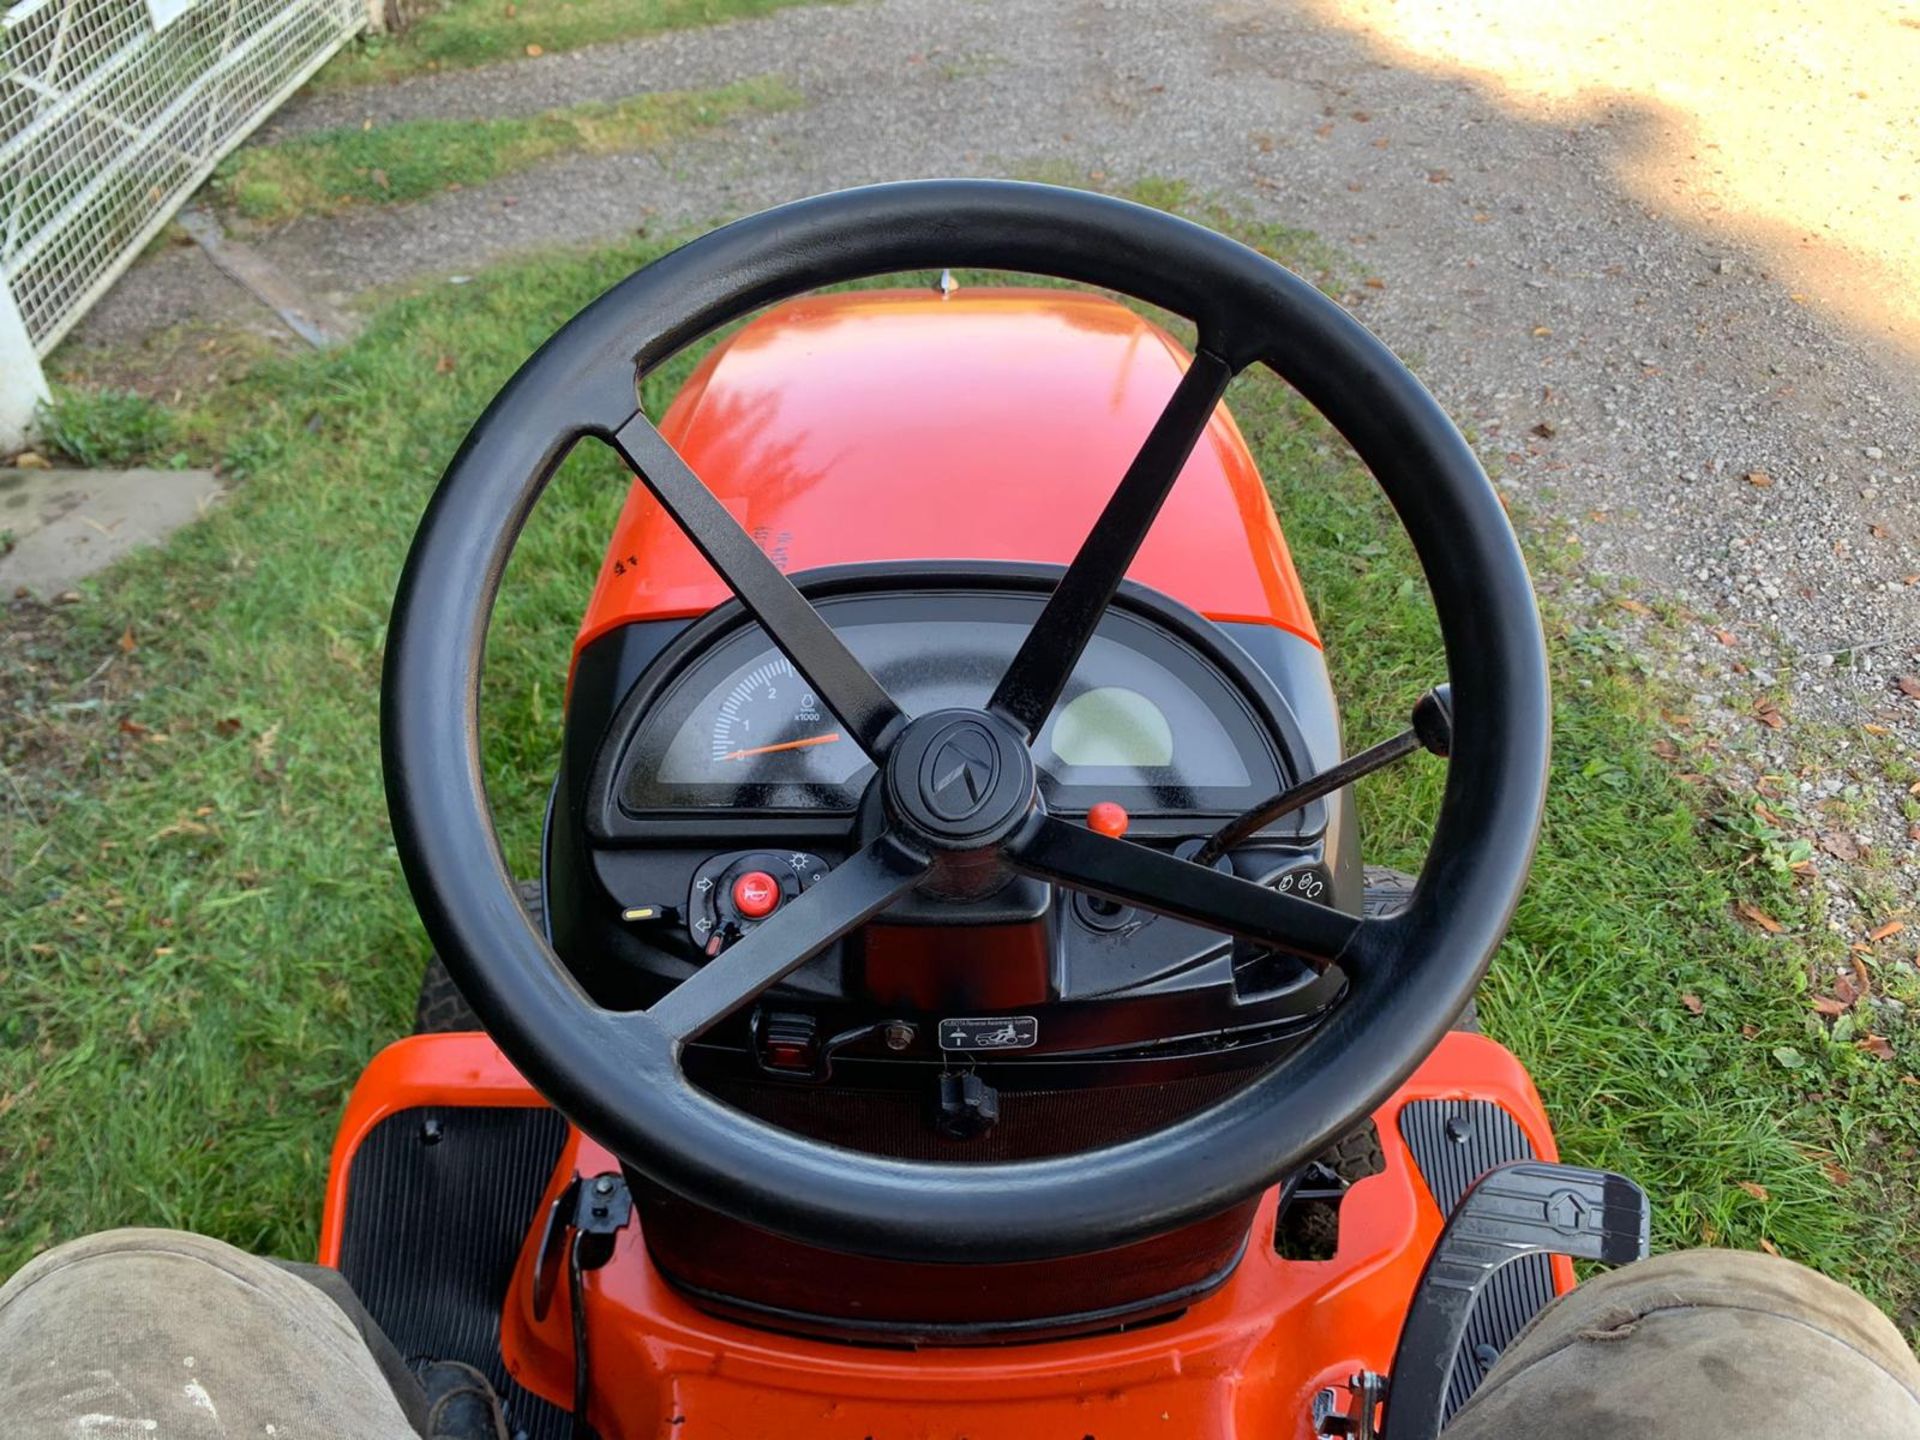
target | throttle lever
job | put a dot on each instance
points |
(1431, 730)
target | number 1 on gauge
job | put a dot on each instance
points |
(770, 711)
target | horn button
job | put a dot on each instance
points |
(960, 780)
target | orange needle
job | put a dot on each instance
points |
(783, 745)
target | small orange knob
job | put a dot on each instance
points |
(1107, 818)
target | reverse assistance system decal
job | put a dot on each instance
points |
(1000, 1032)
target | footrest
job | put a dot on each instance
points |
(1516, 1210)
(1454, 1143)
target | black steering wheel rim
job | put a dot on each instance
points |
(615, 1074)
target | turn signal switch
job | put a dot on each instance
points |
(731, 894)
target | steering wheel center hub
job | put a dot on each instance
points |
(960, 780)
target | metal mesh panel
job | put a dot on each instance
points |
(108, 122)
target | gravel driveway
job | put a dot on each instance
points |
(1631, 368)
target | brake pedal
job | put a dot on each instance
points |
(1526, 1208)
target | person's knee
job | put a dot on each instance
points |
(177, 1328)
(168, 1278)
(1706, 1343)
(114, 1256)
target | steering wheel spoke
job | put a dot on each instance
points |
(1033, 682)
(849, 689)
(1071, 855)
(853, 892)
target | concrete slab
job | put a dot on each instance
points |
(308, 316)
(67, 524)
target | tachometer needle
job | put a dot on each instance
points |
(783, 745)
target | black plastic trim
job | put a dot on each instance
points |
(905, 1334)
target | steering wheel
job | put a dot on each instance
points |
(961, 799)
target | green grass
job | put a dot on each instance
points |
(108, 429)
(204, 934)
(330, 170)
(465, 33)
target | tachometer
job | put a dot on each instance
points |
(769, 712)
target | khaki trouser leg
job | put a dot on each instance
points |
(158, 1335)
(1706, 1345)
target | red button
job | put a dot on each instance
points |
(785, 1055)
(1107, 818)
(756, 893)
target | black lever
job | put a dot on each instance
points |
(583, 1224)
(1527, 1208)
(1431, 730)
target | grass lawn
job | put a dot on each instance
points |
(204, 933)
(460, 33)
(330, 170)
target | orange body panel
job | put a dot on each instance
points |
(1245, 1361)
(992, 425)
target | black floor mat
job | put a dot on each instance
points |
(1455, 1142)
(439, 1201)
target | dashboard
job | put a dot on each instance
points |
(1147, 720)
(704, 787)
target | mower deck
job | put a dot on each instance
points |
(447, 1159)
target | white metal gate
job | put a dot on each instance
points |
(111, 113)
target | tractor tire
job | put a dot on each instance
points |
(1310, 1229)
(1390, 890)
(441, 1008)
(1355, 1155)
(1387, 890)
